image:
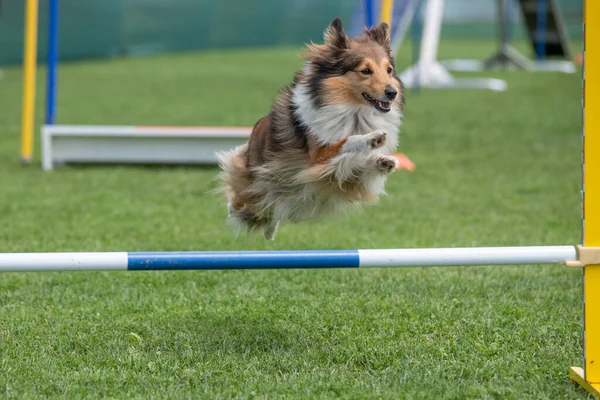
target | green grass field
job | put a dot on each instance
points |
(492, 169)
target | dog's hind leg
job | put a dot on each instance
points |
(270, 229)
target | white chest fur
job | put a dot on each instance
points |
(332, 123)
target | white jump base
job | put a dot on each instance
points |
(467, 65)
(62, 144)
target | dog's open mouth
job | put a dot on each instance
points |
(383, 106)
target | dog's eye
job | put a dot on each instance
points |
(366, 71)
(390, 70)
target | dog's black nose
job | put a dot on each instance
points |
(390, 92)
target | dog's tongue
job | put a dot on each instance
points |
(383, 104)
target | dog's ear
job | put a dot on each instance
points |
(380, 34)
(335, 35)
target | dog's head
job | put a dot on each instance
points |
(358, 70)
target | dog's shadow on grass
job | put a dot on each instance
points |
(239, 334)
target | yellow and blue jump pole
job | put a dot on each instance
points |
(387, 6)
(592, 190)
(385, 12)
(589, 376)
(29, 74)
(29, 70)
(51, 87)
(370, 13)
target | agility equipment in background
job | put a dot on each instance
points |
(406, 16)
(546, 32)
(545, 28)
(63, 144)
(29, 69)
(51, 89)
(110, 144)
(427, 71)
(398, 14)
(506, 55)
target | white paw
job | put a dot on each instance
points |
(376, 139)
(364, 143)
(386, 164)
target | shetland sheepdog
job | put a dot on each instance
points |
(327, 143)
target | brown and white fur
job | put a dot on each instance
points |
(327, 142)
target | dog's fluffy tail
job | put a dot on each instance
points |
(236, 179)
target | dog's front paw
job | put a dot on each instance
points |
(376, 139)
(386, 164)
(366, 142)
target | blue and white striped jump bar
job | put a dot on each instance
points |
(218, 260)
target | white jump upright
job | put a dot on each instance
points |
(428, 72)
(299, 259)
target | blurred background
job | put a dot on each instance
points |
(109, 28)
